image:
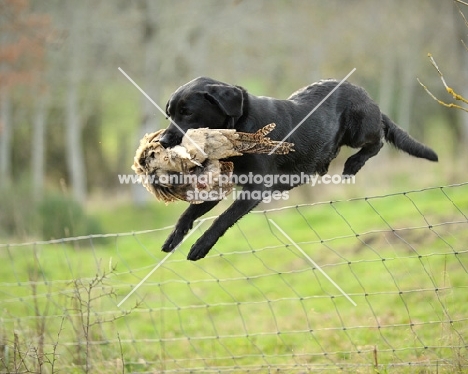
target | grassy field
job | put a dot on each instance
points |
(255, 304)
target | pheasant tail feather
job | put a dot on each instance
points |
(258, 142)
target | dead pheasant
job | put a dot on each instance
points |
(171, 173)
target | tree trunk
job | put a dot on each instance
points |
(408, 85)
(73, 141)
(150, 114)
(38, 149)
(5, 137)
(74, 149)
(387, 83)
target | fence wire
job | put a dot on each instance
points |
(255, 304)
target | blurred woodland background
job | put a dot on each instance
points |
(70, 121)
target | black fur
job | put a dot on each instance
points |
(348, 117)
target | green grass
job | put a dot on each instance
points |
(255, 303)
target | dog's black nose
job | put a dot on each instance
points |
(165, 141)
(169, 139)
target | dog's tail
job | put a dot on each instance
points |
(402, 140)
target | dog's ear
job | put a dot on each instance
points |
(228, 98)
(167, 107)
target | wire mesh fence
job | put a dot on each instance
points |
(255, 304)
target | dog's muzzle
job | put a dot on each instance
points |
(169, 140)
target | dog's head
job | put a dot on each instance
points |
(202, 102)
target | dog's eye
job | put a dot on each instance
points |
(184, 112)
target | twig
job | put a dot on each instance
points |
(461, 2)
(54, 347)
(462, 14)
(464, 19)
(121, 354)
(447, 88)
(451, 105)
(376, 360)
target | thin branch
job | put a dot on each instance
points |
(121, 354)
(463, 15)
(447, 88)
(451, 105)
(464, 18)
(464, 45)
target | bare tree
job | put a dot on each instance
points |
(73, 122)
(22, 42)
(150, 25)
(5, 136)
(38, 147)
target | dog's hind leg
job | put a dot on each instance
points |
(357, 161)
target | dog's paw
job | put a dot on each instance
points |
(167, 246)
(173, 240)
(351, 168)
(198, 251)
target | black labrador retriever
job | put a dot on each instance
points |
(348, 117)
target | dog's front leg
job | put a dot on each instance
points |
(185, 223)
(238, 208)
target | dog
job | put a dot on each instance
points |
(348, 117)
